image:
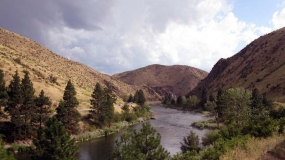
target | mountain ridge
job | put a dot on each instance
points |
(175, 79)
(50, 71)
(260, 64)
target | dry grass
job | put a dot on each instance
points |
(20, 53)
(177, 79)
(254, 148)
(260, 64)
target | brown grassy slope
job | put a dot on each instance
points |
(42, 63)
(177, 79)
(260, 64)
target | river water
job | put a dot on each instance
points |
(172, 125)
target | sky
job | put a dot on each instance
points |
(113, 36)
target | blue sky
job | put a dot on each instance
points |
(258, 12)
(114, 36)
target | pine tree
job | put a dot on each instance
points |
(179, 100)
(190, 143)
(3, 94)
(107, 107)
(130, 98)
(144, 144)
(204, 97)
(66, 110)
(28, 107)
(141, 98)
(14, 103)
(96, 102)
(54, 142)
(256, 100)
(136, 97)
(212, 98)
(219, 108)
(42, 109)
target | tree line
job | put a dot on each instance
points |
(241, 113)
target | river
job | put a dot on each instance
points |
(172, 124)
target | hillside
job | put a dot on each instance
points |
(50, 72)
(260, 64)
(176, 79)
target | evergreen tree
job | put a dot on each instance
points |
(256, 100)
(141, 98)
(96, 102)
(66, 110)
(54, 142)
(28, 106)
(190, 143)
(42, 109)
(130, 98)
(14, 103)
(107, 114)
(212, 98)
(3, 94)
(136, 97)
(204, 98)
(219, 107)
(141, 145)
(179, 100)
(172, 102)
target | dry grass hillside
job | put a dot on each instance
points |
(50, 72)
(260, 64)
(176, 79)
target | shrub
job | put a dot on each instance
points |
(210, 137)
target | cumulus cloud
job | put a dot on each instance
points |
(114, 36)
(278, 19)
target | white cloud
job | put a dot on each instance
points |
(278, 19)
(114, 36)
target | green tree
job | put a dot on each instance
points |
(219, 107)
(140, 145)
(190, 142)
(3, 94)
(66, 110)
(107, 114)
(192, 101)
(256, 100)
(14, 103)
(96, 102)
(4, 154)
(141, 98)
(54, 142)
(42, 109)
(179, 100)
(235, 103)
(28, 106)
(204, 97)
(130, 99)
(136, 97)
(212, 98)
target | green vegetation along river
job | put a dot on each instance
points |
(172, 124)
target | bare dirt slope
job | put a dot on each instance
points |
(50, 72)
(260, 64)
(177, 79)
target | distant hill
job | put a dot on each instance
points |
(260, 64)
(50, 72)
(177, 79)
